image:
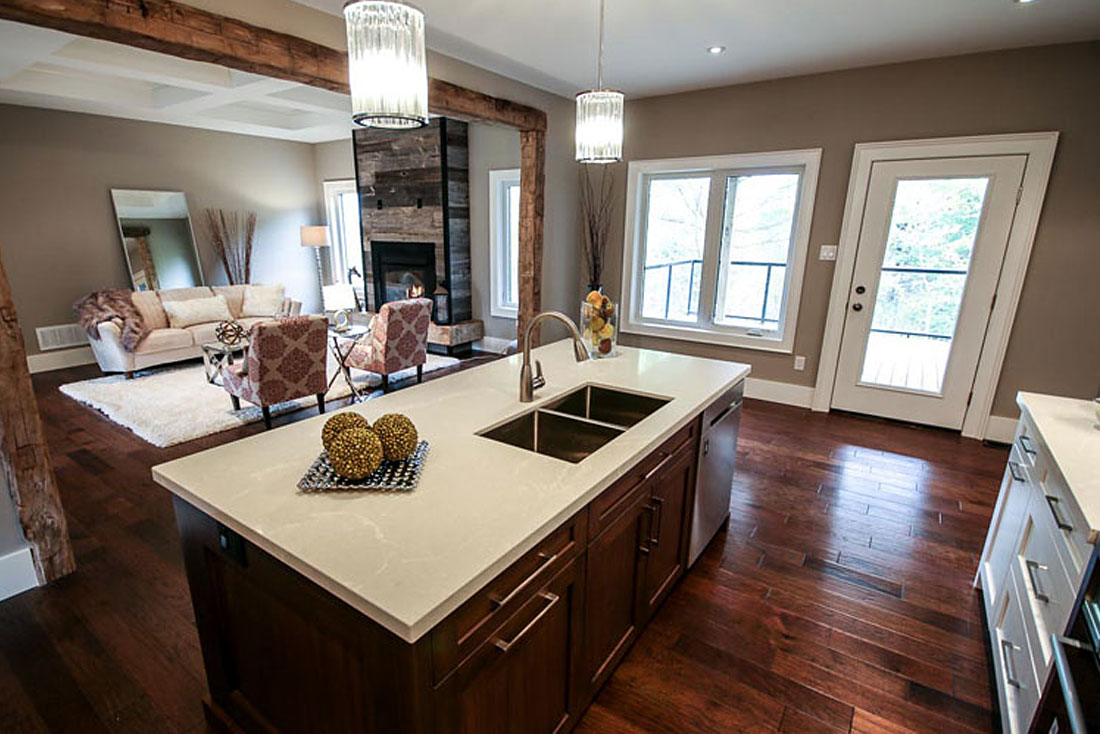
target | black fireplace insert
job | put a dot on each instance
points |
(402, 270)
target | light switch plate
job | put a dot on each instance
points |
(799, 362)
(828, 252)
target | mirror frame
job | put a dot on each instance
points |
(190, 231)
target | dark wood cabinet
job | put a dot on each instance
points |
(671, 493)
(523, 677)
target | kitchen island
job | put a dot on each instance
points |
(497, 596)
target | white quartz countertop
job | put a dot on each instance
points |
(1068, 428)
(407, 560)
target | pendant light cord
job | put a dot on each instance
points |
(599, 54)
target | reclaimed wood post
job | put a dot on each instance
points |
(24, 457)
(531, 203)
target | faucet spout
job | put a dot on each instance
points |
(528, 381)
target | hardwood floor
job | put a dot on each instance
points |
(838, 599)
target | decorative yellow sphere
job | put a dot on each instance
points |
(398, 434)
(339, 423)
(355, 453)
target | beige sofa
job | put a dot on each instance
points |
(164, 344)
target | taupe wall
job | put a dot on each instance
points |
(491, 148)
(60, 239)
(1055, 344)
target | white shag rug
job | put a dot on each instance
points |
(170, 405)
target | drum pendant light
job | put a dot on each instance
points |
(599, 127)
(387, 66)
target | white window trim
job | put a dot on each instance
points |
(337, 266)
(809, 160)
(499, 180)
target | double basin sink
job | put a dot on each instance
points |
(578, 423)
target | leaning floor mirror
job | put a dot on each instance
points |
(157, 239)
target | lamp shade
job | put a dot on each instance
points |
(387, 65)
(599, 126)
(315, 236)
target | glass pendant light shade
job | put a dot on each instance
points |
(599, 126)
(386, 64)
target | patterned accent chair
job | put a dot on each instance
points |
(398, 340)
(286, 361)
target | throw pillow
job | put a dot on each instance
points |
(262, 300)
(193, 311)
(234, 296)
(148, 305)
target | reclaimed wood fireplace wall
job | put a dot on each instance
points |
(414, 187)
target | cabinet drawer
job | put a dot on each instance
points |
(1072, 533)
(1027, 444)
(1046, 594)
(456, 637)
(1017, 683)
(1003, 539)
(614, 500)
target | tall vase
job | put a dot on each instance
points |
(598, 325)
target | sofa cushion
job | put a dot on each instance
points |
(203, 333)
(263, 300)
(184, 294)
(234, 296)
(148, 305)
(163, 340)
(182, 314)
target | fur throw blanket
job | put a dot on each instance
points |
(116, 306)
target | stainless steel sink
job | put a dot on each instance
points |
(606, 405)
(575, 425)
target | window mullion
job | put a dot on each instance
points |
(712, 245)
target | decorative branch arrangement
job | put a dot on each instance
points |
(231, 234)
(596, 200)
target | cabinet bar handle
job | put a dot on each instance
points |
(1054, 503)
(551, 600)
(658, 506)
(1025, 444)
(1009, 666)
(1065, 677)
(1032, 566)
(547, 559)
(649, 474)
(1016, 472)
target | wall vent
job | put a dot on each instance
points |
(60, 337)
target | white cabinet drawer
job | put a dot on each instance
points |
(1003, 539)
(1071, 530)
(1046, 593)
(1017, 683)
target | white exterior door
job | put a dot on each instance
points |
(931, 245)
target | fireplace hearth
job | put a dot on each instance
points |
(399, 269)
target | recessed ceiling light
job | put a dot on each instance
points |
(1023, 2)
(721, 49)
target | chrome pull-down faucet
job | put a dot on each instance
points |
(529, 382)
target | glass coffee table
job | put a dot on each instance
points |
(216, 355)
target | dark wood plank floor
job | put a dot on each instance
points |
(838, 600)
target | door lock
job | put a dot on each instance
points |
(860, 290)
(857, 306)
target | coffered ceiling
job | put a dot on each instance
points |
(660, 46)
(44, 68)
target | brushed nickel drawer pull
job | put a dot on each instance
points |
(1010, 667)
(658, 506)
(1016, 472)
(1032, 566)
(649, 474)
(547, 559)
(551, 600)
(1054, 503)
(1026, 445)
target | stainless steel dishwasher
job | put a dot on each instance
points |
(717, 459)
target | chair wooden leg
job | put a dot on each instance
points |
(320, 402)
(236, 402)
(267, 417)
(385, 383)
(419, 373)
(129, 374)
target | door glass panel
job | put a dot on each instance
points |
(676, 224)
(756, 234)
(933, 227)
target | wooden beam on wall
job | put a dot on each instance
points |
(532, 193)
(24, 457)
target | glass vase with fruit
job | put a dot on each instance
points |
(598, 325)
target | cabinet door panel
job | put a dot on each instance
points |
(616, 568)
(671, 491)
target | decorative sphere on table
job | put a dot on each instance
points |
(355, 452)
(339, 423)
(398, 434)
(230, 333)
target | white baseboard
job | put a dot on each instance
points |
(1000, 429)
(17, 573)
(60, 359)
(493, 344)
(779, 392)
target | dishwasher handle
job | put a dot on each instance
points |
(721, 416)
